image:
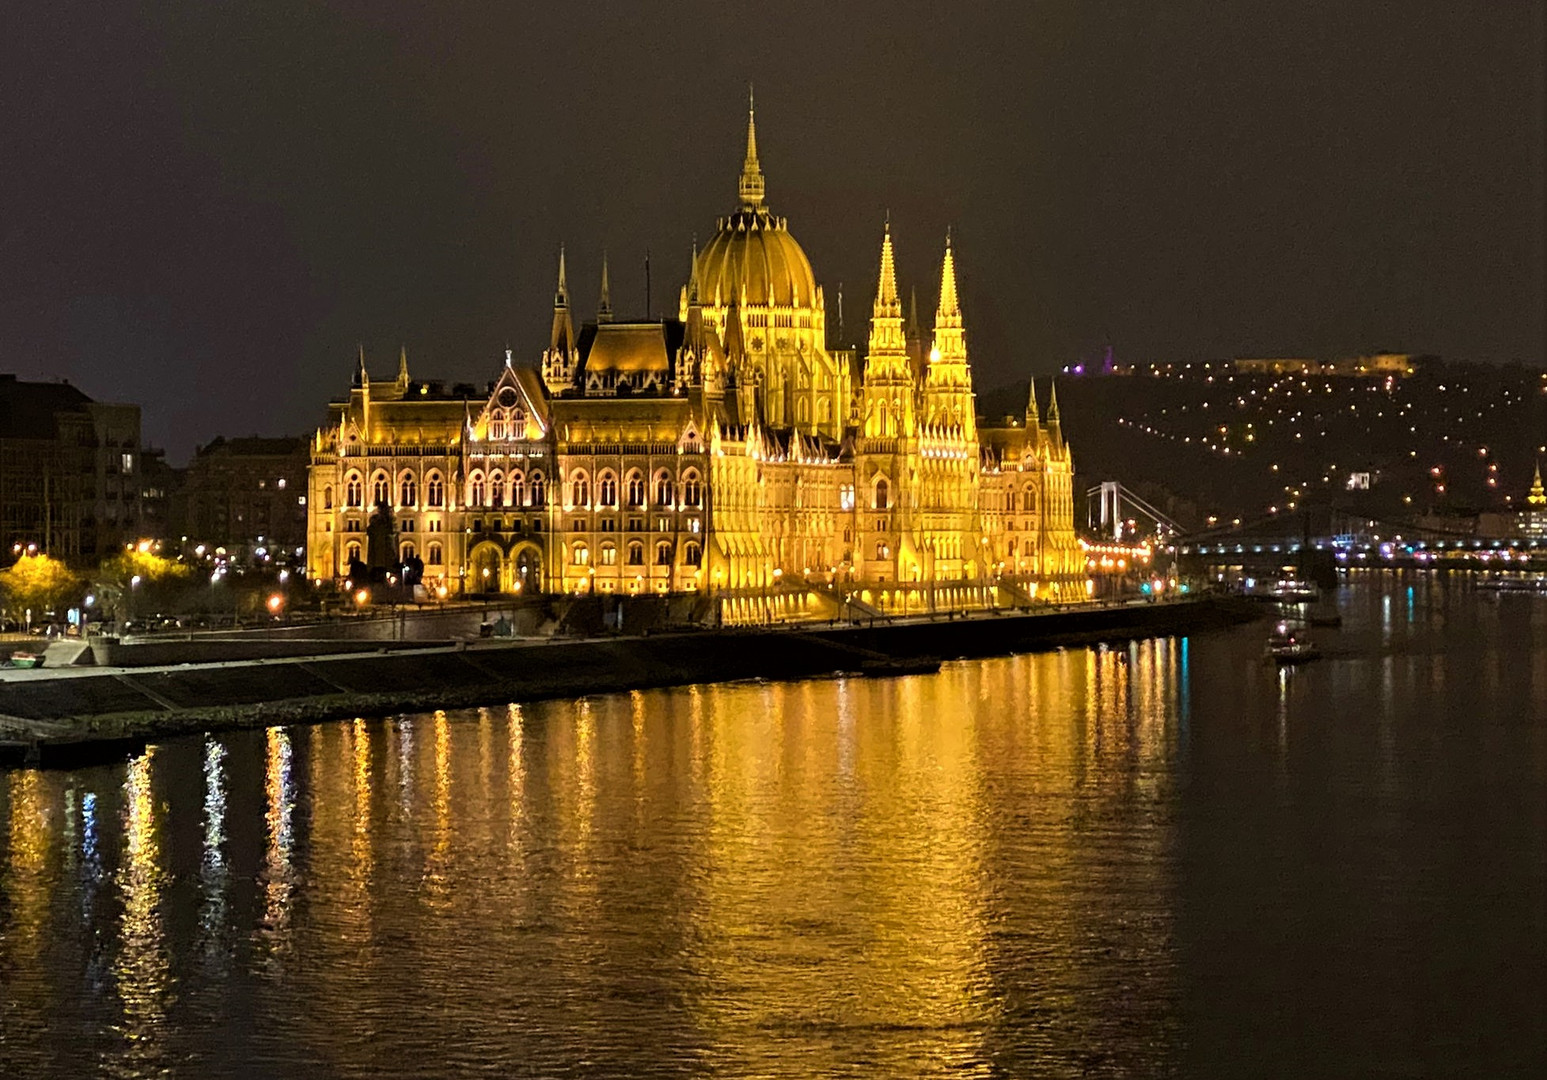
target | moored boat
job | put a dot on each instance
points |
(1290, 645)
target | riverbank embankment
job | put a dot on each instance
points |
(64, 716)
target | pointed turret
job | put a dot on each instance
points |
(562, 337)
(950, 349)
(751, 186)
(402, 367)
(361, 378)
(1538, 495)
(888, 348)
(1054, 427)
(604, 306)
(1033, 416)
(913, 334)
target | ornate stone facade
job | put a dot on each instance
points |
(729, 451)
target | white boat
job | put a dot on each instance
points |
(1293, 591)
(1290, 645)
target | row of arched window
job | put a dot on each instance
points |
(633, 489)
(381, 491)
(607, 554)
(497, 489)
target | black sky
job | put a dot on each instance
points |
(205, 206)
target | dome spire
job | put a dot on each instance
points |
(949, 307)
(1537, 496)
(751, 187)
(886, 295)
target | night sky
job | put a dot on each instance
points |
(204, 207)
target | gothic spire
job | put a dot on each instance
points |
(886, 293)
(751, 187)
(562, 336)
(1538, 495)
(561, 295)
(604, 307)
(361, 378)
(1033, 416)
(693, 298)
(949, 307)
(402, 367)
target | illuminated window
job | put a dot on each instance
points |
(607, 490)
(582, 554)
(354, 490)
(408, 491)
(580, 491)
(609, 555)
(435, 556)
(517, 489)
(476, 490)
(636, 553)
(691, 492)
(435, 490)
(379, 493)
(636, 489)
(663, 490)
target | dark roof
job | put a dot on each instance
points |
(28, 410)
(253, 446)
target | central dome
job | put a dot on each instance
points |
(753, 249)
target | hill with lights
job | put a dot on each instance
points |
(1211, 440)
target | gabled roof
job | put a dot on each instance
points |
(627, 348)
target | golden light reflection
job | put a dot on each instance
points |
(142, 969)
(24, 886)
(439, 883)
(517, 777)
(277, 884)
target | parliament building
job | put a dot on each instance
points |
(730, 452)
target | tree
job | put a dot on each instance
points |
(39, 584)
(139, 572)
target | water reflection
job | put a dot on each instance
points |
(1000, 870)
(142, 970)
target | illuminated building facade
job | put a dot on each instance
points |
(728, 451)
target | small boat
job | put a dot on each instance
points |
(1290, 645)
(1292, 591)
(26, 660)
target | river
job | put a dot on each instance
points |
(1159, 859)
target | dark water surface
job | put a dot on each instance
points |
(1164, 859)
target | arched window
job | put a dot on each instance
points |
(636, 553)
(663, 553)
(581, 554)
(663, 490)
(882, 551)
(607, 490)
(539, 489)
(580, 491)
(692, 554)
(408, 491)
(802, 411)
(692, 491)
(636, 489)
(882, 494)
(406, 551)
(354, 490)
(476, 490)
(609, 555)
(436, 558)
(1028, 500)
(379, 492)
(824, 410)
(496, 489)
(352, 553)
(327, 498)
(517, 489)
(497, 425)
(435, 490)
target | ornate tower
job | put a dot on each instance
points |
(558, 363)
